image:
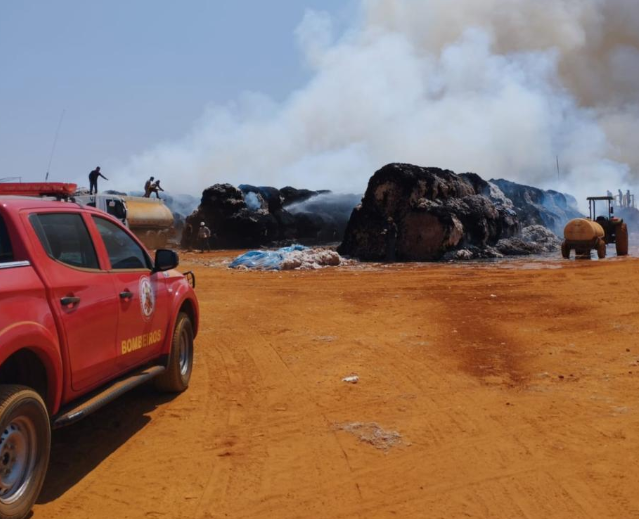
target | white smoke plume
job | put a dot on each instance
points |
(497, 87)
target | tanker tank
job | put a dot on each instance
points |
(584, 235)
(582, 229)
(150, 220)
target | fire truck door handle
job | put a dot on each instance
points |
(69, 301)
(126, 295)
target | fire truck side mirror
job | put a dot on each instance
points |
(166, 259)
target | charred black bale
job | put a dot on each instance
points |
(252, 216)
(271, 195)
(435, 211)
(233, 225)
(538, 207)
(223, 199)
(508, 222)
(291, 196)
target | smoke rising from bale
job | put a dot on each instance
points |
(498, 87)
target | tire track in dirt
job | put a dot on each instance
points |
(283, 406)
(133, 477)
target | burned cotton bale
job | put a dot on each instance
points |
(535, 206)
(252, 216)
(435, 211)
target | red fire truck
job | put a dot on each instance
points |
(85, 315)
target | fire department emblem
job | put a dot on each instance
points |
(147, 298)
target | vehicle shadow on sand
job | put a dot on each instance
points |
(78, 449)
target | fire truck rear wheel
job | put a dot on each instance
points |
(25, 443)
(622, 240)
(178, 372)
(565, 250)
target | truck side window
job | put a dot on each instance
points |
(116, 208)
(124, 252)
(6, 253)
(66, 239)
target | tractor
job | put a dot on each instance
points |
(596, 232)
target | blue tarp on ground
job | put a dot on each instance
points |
(264, 259)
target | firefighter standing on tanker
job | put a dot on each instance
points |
(93, 180)
(156, 188)
(147, 187)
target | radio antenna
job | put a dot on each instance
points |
(55, 142)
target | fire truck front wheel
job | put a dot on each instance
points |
(25, 443)
(178, 372)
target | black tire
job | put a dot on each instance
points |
(622, 240)
(178, 372)
(565, 250)
(25, 444)
(601, 249)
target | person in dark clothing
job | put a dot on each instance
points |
(93, 180)
(147, 187)
(203, 237)
(155, 188)
(390, 233)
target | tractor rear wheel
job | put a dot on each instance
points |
(565, 250)
(601, 249)
(622, 240)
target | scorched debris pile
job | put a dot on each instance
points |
(535, 206)
(249, 216)
(436, 214)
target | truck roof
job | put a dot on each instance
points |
(30, 202)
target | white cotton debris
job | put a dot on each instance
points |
(351, 379)
(311, 259)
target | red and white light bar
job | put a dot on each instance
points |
(57, 189)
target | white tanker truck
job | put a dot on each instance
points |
(148, 218)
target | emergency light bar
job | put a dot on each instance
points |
(56, 189)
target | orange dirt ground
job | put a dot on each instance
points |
(512, 389)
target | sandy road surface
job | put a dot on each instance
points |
(514, 392)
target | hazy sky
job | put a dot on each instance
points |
(131, 74)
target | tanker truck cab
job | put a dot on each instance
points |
(149, 219)
(85, 315)
(110, 204)
(600, 229)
